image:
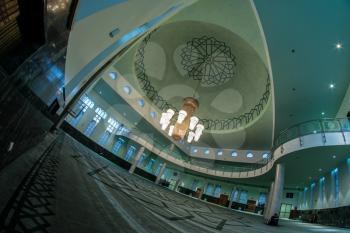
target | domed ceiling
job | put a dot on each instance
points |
(209, 62)
(214, 51)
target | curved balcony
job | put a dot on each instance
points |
(315, 133)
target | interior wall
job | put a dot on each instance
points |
(186, 178)
(90, 43)
(329, 199)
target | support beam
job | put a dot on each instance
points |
(277, 192)
(269, 200)
(161, 172)
(177, 182)
(136, 160)
(204, 187)
(88, 84)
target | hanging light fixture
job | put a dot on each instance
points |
(185, 123)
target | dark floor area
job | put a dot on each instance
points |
(62, 186)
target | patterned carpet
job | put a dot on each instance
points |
(68, 188)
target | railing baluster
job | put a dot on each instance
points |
(342, 131)
(323, 132)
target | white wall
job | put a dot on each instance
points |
(89, 38)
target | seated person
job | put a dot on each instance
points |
(274, 220)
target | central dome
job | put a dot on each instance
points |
(208, 62)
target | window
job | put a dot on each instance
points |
(289, 195)
(117, 145)
(150, 164)
(194, 185)
(209, 189)
(322, 190)
(113, 75)
(153, 114)
(112, 125)
(90, 128)
(142, 159)
(234, 153)
(87, 103)
(127, 89)
(77, 119)
(104, 138)
(304, 196)
(130, 153)
(312, 187)
(234, 195)
(141, 102)
(243, 197)
(262, 199)
(217, 190)
(335, 186)
(158, 169)
(100, 114)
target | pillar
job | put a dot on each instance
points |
(277, 192)
(201, 194)
(177, 182)
(136, 160)
(269, 200)
(162, 169)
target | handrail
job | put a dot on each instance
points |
(337, 125)
(326, 125)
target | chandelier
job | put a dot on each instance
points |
(186, 122)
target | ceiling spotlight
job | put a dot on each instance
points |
(338, 45)
(322, 113)
(331, 86)
(334, 156)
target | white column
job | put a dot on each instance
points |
(269, 200)
(177, 183)
(162, 169)
(136, 160)
(231, 197)
(277, 192)
(204, 187)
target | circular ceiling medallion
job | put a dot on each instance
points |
(208, 60)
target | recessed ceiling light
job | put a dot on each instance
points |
(331, 86)
(100, 92)
(314, 131)
(320, 169)
(234, 154)
(338, 45)
(322, 113)
(219, 153)
(334, 156)
(250, 155)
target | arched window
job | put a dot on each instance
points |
(117, 145)
(130, 153)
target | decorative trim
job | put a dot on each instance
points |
(209, 124)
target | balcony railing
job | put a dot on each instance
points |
(321, 126)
